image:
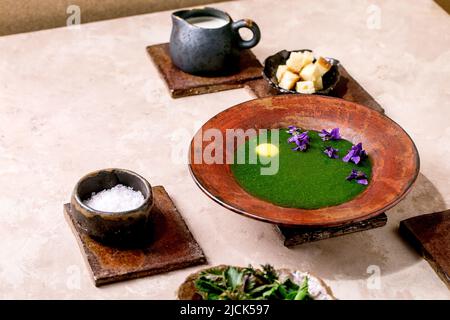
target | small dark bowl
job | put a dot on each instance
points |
(126, 228)
(330, 79)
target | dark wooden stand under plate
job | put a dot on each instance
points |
(172, 247)
(295, 236)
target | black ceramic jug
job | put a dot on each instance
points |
(208, 50)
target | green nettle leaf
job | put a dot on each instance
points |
(270, 273)
(290, 285)
(208, 286)
(213, 296)
(303, 293)
(291, 295)
(234, 277)
(270, 292)
(283, 292)
(259, 290)
(212, 272)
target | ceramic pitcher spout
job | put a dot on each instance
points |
(179, 17)
(179, 21)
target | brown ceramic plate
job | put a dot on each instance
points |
(394, 157)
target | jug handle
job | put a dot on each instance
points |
(249, 24)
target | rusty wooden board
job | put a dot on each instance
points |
(347, 88)
(295, 236)
(430, 235)
(182, 84)
(444, 4)
(172, 247)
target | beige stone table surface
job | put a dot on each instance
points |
(73, 100)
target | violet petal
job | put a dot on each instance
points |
(356, 154)
(362, 181)
(335, 135)
(331, 152)
(293, 130)
(359, 176)
(332, 135)
(301, 140)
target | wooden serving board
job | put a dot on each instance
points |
(172, 247)
(444, 4)
(347, 88)
(183, 84)
(430, 235)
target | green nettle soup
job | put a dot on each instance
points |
(305, 179)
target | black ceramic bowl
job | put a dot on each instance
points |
(119, 228)
(330, 79)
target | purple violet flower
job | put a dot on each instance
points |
(355, 154)
(359, 176)
(331, 152)
(301, 140)
(293, 130)
(332, 135)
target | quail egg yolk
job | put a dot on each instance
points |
(267, 150)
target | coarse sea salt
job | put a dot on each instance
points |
(117, 199)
